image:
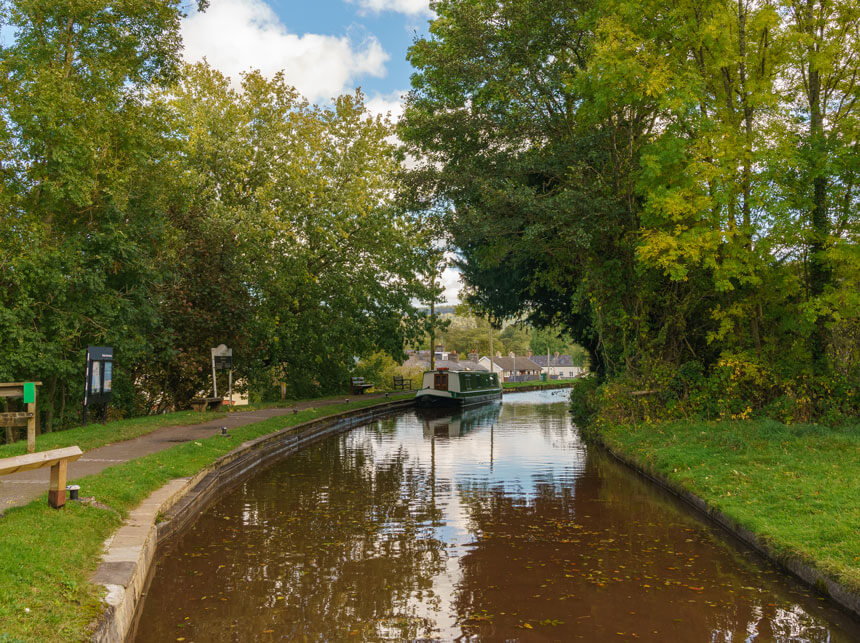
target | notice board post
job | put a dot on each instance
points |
(99, 384)
(222, 360)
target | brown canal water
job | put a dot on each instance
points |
(499, 524)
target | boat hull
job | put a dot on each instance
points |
(434, 398)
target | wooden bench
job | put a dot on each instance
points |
(57, 459)
(206, 403)
(402, 383)
(358, 385)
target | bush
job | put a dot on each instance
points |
(380, 369)
(584, 403)
(737, 387)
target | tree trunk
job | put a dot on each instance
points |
(819, 272)
(62, 404)
(49, 411)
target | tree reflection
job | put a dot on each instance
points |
(333, 544)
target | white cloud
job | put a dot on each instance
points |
(452, 286)
(391, 104)
(409, 7)
(238, 35)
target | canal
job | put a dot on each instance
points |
(498, 524)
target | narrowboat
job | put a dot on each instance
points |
(444, 387)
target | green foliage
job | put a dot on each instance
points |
(466, 332)
(583, 402)
(83, 158)
(737, 387)
(157, 209)
(667, 183)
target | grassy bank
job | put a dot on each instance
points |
(537, 383)
(96, 435)
(795, 486)
(46, 556)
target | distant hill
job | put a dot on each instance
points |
(440, 310)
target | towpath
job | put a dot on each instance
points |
(20, 488)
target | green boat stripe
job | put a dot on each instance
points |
(458, 394)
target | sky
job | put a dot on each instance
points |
(324, 47)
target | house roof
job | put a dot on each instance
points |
(460, 365)
(561, 360)
(453, 365)
(522, 362)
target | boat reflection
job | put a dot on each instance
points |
(455, 423)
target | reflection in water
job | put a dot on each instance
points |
(455, 423)
(505, 527)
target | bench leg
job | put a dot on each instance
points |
(57, 491)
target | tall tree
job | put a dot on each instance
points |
(326, 260)
(81, 223)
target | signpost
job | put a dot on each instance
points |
(222, 360)
(99, 383)
(27, 391)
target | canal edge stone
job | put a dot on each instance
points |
(126, 564)
(804, 571)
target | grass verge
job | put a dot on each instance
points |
(794, 486)
(47, 556)
(96, 435)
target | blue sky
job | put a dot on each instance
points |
(325, 47)
(394, 30)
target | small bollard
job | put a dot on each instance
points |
(73, 490)
(346, 401)
(224, 432)
(386, 396)
(295, 411)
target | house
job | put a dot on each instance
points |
(444, 359)
(559, 366)
(518, 368)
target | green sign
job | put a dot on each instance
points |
(29, 393)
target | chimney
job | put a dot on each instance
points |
(473, 356)
(529, 354)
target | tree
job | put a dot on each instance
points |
(83, 152)
(326, 262)
(668, 183)
(544, 210)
